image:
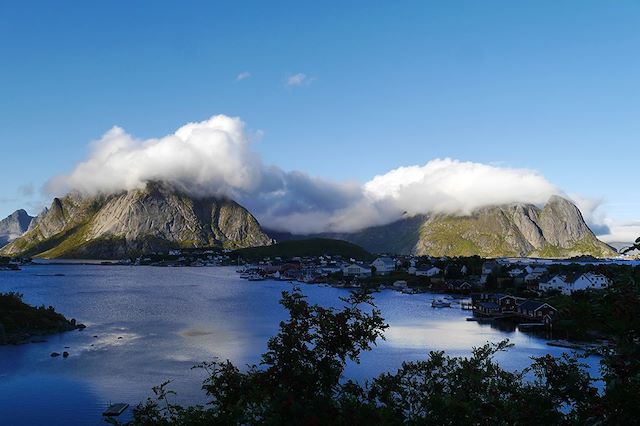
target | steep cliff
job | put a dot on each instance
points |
(153, 219)
(557, 230)
(13, 226)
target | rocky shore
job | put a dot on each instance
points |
(22, 323)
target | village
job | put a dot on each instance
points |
(501, 288)
(511, 289)
(517, 290)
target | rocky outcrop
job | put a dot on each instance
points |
(22, 323)
(561, 223)
(557, 230)
(153, 219)
(13, 226)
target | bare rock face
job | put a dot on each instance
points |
(561, 223)
(557, 230)
(13, 226)
(153, 219)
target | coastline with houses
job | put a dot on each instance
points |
(551, 294)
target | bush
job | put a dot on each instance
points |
(299, 380)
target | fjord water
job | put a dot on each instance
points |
(146, 325)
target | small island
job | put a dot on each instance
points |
(21, 323)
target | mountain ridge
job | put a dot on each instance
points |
(557, 230)
(152, 219)
(14, 225)
(159, 217)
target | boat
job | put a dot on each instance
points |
(440, 304)
(256, 277)
(114, 410)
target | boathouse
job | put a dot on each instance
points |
(533, 309)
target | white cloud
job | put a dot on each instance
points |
(212, 156)
(243, 76)
(606, 228)
(299, 79)
(621, 232)
(215, 158)
(452, 186)
(592, 213)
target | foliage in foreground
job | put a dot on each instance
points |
(299, 380)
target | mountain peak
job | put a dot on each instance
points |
(13, 226)
(150, 219)
(517, 229)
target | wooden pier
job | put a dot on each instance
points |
(115, 410)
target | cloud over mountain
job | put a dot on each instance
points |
(215, 157)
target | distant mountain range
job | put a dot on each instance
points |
(521, 230)
(13, 226)
(158, 217)
(153, 219)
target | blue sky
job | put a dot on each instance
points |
(546, 85)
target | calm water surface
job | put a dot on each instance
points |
(149, 324)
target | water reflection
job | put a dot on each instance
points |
(149, 324)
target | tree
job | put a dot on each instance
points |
(299, 380)
(635, 246)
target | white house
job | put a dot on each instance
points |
(355, 270)
(516, 272)
(536, 270)
(384, 265)
(558, 282)
(590, 281)
(431, 272)
(587, 281)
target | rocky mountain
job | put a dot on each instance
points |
(152, 219)
(14, 226)
(557, 230)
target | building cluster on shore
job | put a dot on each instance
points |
(499, 287)
(499, 305)
(12, 264)
(455, 274)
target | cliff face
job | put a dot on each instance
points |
(557, 230)
(155, 218)
(13, 226)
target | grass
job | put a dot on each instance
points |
(462, 236)
(310, 247)
(585, 246)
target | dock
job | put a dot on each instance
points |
(531, 325)
(569, 345)
(466, 306)
(115, 410)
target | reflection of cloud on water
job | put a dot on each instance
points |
(450, 335)
(432, 338)
(181, 358)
